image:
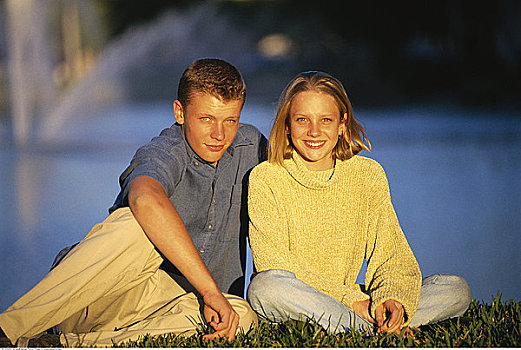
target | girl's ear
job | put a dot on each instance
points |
(179, 112)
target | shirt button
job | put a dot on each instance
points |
(202, 250)
(210, 227)
(196, 163)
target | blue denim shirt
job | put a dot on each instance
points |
(210, 200)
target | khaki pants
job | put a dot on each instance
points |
(109, 289)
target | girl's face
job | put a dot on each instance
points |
(314, 126)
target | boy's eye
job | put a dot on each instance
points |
(231, 121)
(205, 119)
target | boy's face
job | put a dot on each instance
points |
(209, 124)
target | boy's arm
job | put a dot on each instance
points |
(165, 229)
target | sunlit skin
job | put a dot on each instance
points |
(314, 127)
(388, 316)
(209, 124)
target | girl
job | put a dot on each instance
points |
(317, 210)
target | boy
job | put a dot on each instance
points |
(179, 209)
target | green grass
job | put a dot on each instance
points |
(483, 325)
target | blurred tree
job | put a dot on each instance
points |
(407, 48)
(123, 13)
(433, 45)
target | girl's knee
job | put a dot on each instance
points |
(264, 289)
(266, 283)
(462, 292)
(451, 287)
(459, 287)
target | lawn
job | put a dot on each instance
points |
(496, 324)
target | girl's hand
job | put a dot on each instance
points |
(389, 316)
(362, 309)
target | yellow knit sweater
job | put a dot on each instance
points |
(321, 225)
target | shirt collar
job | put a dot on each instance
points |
(240, 140)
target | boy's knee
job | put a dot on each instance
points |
(247, 317)
(120, 227)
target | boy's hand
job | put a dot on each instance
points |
(221, 316)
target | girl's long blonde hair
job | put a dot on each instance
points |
(351, 142)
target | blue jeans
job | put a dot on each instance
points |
(277, 296)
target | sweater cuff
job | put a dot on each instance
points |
(350, 297)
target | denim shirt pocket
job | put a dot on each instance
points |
(233, 216)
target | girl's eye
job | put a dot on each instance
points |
(327, 120)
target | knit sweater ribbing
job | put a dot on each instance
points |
(321, 225)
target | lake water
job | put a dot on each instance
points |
(454, 174)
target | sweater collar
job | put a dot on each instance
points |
(311, 179)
